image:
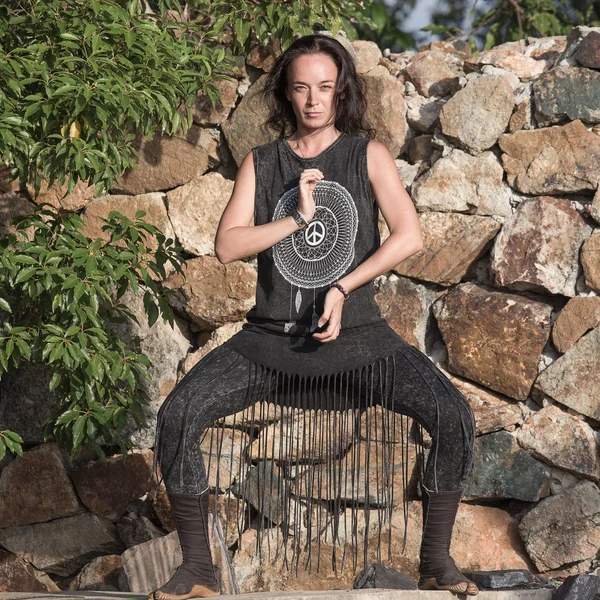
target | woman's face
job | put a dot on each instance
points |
(311, 89)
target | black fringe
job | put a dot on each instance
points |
(304, 402)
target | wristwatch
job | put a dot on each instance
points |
(299, 218)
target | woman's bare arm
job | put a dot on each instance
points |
(236, 235)
(398, 210)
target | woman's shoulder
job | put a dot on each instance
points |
(267, 147)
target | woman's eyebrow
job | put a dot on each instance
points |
(303, 82)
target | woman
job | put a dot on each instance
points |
(315, 343)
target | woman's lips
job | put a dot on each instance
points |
(312, 114)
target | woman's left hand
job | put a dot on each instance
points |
(332, 312)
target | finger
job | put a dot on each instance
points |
(332, 329)
(328, 337)
(310, 177)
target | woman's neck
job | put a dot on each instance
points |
(311, 142)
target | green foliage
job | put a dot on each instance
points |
(509, 20)
(385, 27)
(59, 293)
(79, 79)
(245, 21)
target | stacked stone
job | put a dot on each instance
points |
(500, 153)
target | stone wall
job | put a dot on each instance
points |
(500, 153)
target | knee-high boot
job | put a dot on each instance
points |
(195, 577)
(437, 568)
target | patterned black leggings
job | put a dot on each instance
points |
(217, 385)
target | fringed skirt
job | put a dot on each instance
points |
(323, 437)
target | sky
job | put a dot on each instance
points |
(420, 16)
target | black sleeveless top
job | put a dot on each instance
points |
(295, 274)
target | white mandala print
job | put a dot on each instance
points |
(325, 249)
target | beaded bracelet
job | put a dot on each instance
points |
(340, 287)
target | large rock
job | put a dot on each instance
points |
(331, 432)
(204, 113)
(101, 573)
(538, 247)
(17, 575)
(25, 402)
(460, 182)
(435, 73)
(386, 110)
(63, 546)
(561, 440)
(423, 113)
(509, 56)
(165, 347)
(257, 569)
(265, 489)
(152, 204)
(79, 198)
(589, 261)
(107, 488)
(361, 476)
(563, 529)
(494, 338)
(484, 538)
(368, 55)
(164, 163)
(228, 445)
(574, 42)
(243, 130)
(573, 378)
(553, 160)
(452, 243)
(502, 470)
(588, 53)
(195, 210)
(405, 304)
(594, 207)
(493, 411)
(213, 293)
(576, 318)
(555, 101)
(476, 116)
(36, 488)
(13, 205)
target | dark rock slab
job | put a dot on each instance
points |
(503, 470)
(578, 587)
(378, 576)
(565, 94)
(264, 489)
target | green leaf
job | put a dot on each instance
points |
(4, 305)
(14, 436)
(78, 430)
(242, 29)
(25, 274)
(68, 416)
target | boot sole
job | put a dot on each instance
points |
(198, 591)
(432, 584)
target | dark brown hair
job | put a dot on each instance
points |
(349, 110)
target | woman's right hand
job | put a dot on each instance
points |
(306, 186)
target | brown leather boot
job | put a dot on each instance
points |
(437, 568)
(195, 577)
